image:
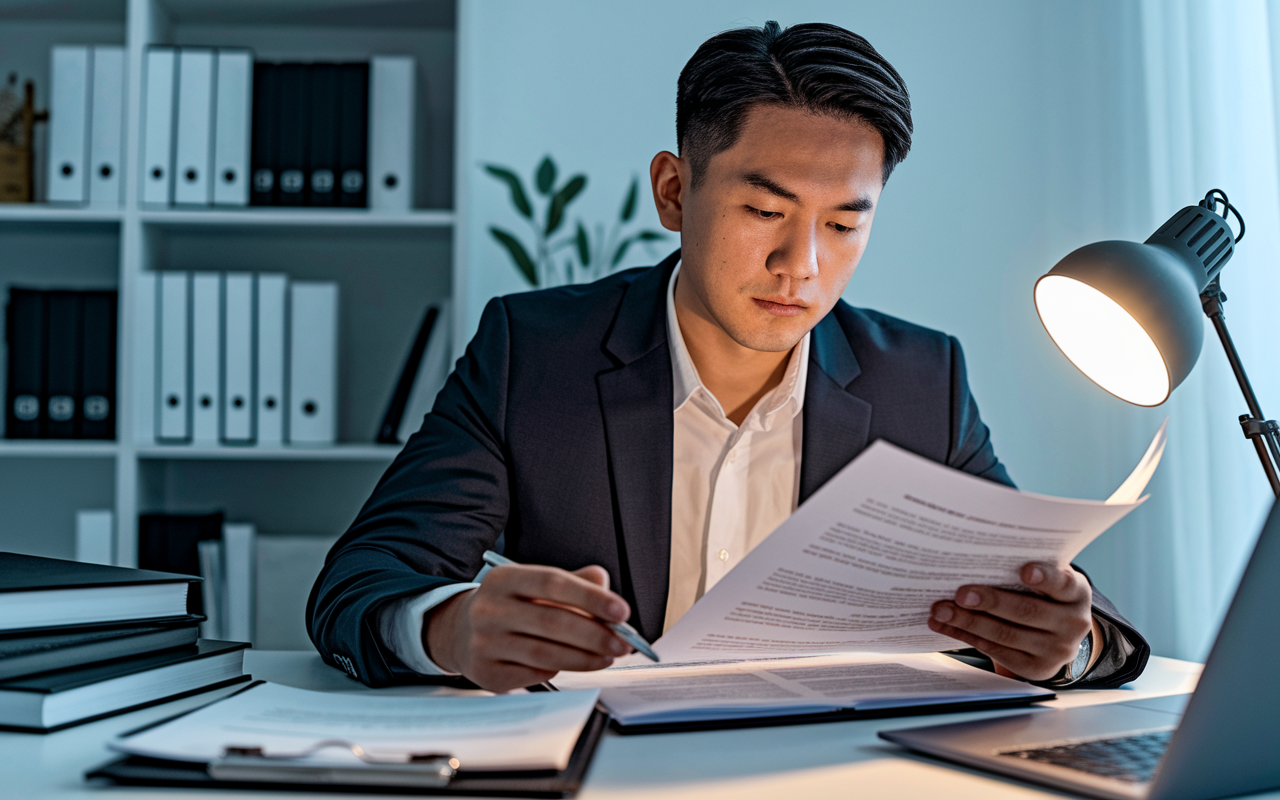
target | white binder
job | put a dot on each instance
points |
(206, 356)
(272, 403)
(145, 346)
(237, 349)
(174, 384)
(69, 78)
(106, 130)
(193, 151)
(391, 116)
(232, 112)
(239, 566)
(313, 362)
(157, 126)
(432, 372)
(95, 537)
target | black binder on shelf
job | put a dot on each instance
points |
(170, 543)
(294, 120)
(387, 432)
(24, 387)
(62, 375)
(257, 773)
(98, 375)
(322, 156)
(353, 137)
(264, 152)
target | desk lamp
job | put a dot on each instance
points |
(1128, 314)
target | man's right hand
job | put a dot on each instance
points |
(526, 623)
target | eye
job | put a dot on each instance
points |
(764, 214)
(842, 228)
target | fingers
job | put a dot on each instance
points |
(1018, 662)
(597, 575)
(1028, 610)
(552, 623)
(1063, 584)
(558, 586)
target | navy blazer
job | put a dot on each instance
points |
(556, 428)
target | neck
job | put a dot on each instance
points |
(738, 376)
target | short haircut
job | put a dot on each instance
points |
(817, 67)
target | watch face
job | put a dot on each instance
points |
(1082, 657)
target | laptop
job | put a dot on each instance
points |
(1221, 741)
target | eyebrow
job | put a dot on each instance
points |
(761, 182)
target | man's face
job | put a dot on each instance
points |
(775, 229)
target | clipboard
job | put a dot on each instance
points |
(430, 775)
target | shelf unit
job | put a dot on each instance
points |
(389, 267)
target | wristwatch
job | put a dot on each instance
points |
(1073, 670)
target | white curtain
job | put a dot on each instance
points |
(1212, 73)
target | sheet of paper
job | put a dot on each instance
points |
(517, 731)
(1131, 490)
(654, 693)
(858, 566)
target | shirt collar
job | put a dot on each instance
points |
(685, 380)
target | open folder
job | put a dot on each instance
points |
(273, 736)
(828, 616)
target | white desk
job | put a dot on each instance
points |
(841, 759)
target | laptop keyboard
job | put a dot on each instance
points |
(1132, 759)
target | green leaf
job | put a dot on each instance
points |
(555, 211)
(584, 246)
(629, 204)
(512, 180)
(621, 252)
(518, 254)
(545, 177)
(650, 236)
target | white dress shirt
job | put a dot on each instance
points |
(731, 486)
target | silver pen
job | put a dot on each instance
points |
(625, 632)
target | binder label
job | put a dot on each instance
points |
(26, 407)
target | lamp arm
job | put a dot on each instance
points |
(1264, 433)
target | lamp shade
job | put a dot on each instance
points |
(1128, 315)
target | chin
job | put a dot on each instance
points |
(769, 341)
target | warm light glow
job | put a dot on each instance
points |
(1102, 340)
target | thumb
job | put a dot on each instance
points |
(597, 575)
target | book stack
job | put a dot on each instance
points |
(219, 129)
(240, 359)
(61, 376)
(80, 642)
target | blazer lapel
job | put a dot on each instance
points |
(635, 401)
(836, 423)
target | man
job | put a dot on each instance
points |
(646, 431)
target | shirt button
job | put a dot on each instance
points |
(724, 555)
(733, 456)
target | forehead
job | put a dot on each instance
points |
(792, 144)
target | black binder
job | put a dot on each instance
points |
(24, 387)
(264, 151)
(353, 137)
(62, 376)
(387, 433)
(170, 543)
(140, 771)
(322, 158)
(98, 374)
(294, 119)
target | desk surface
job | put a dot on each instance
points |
(808, 761)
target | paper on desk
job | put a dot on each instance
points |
(650, 693)
(503, 732)
(857, 567)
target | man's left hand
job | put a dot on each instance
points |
(1030, 636)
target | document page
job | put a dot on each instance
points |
(502, 732)
(657, 693)
(858, 566)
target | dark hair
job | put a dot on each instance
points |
(821, 68)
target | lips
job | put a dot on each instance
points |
(779, 306)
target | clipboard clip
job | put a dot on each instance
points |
(252, 763)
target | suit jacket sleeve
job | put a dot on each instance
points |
(1124, 653)
(440, 505)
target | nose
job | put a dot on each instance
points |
(796, 256)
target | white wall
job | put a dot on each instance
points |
(1029, 142)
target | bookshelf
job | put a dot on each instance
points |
(389, 267)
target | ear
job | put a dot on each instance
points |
(669, 175)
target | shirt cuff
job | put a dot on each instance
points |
(400, 626)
